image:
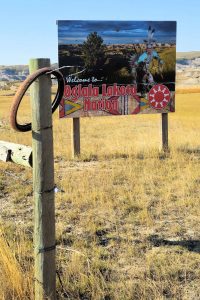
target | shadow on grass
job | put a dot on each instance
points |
(188, 150)
(190, 245)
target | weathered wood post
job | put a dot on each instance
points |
(76, 137)
(164, 132)
(43, 184)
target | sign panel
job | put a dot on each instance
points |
(117, 67)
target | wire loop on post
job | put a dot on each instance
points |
(24, 87)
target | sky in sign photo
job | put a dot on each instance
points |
(115, 32)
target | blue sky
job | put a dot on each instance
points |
(28, 28)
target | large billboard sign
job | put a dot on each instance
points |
(117, 67)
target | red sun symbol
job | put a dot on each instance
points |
(159, 96)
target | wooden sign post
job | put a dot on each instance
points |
(164, 132)
(76, 137)
(43, 184)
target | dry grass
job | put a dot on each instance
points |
(126, 214)
(187, 90)
(16, 282)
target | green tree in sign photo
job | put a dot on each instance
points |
(93, 51)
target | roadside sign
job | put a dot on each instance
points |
(117, 67)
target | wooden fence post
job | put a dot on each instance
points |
(43, 184)
(164, 132)
(76, 137)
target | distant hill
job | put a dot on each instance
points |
(15, 73)
(14, 67)
(187, 70)
(19, 68)
(188, 55)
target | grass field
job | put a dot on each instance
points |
(127, 215)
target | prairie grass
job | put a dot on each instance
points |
(187, 90)
(127, 214)
(16, 282)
